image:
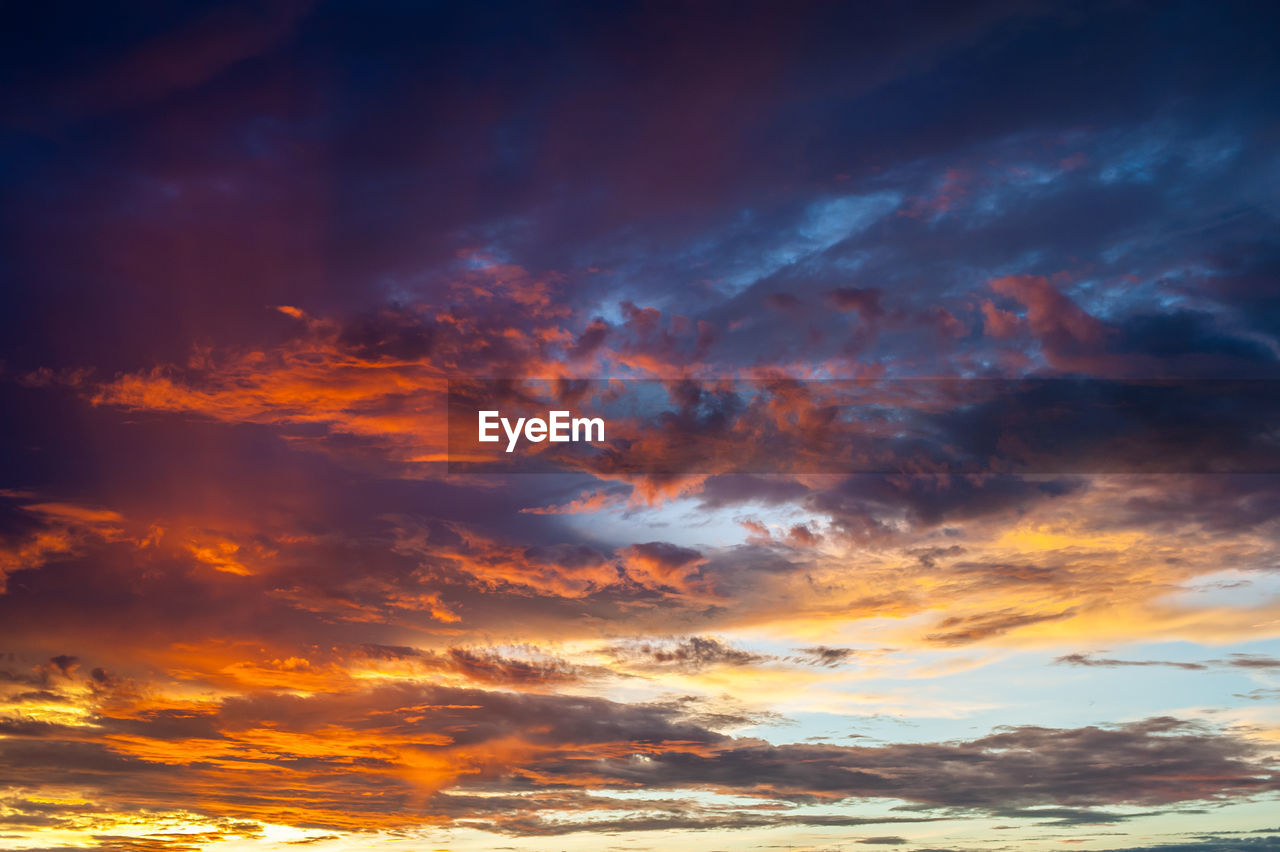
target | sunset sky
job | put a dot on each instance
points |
(251, 598)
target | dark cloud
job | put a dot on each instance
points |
(392, 335)
(868, 504)
(821, 655)
(965, 629)
(1212, 844)
(1103, 662)
(390, 652)
(1219, 503)
(1257, 662)
(581, 744)
(65, 663)
(865, 301)
(1260, 662)
(733, 489)
(690, 653)
(489, 667)
(1030, 766)
(566, 555)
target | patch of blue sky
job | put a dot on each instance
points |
(1116, 252)
(748, 250)
(682, 522)
(851, 261)
(1028, 261)
(610, 310)
(1137, 163)
(1029, 175)
(987, 688)
(1238, 588)
(1193, 276)
(829, 222)
(986, 208)
(1103, 300)
(1138, 158)
(1212, 153)
(824, 224)
(637, 283)
(410, 285)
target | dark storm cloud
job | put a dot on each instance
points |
(869, 504)
(393, 335)
(830, 104)
(863, 504)
(1023, 766)
(566, 555)
(1031, 426)
(1220, 504)
(731, 489)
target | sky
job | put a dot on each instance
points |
(251, 600)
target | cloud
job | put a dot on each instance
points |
(1243, 661)
(662, 563)
(692, 653)
(248, 249)
(489, 667)
(821, 655)
(52, 530)
(402, 736)
(962, 630)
